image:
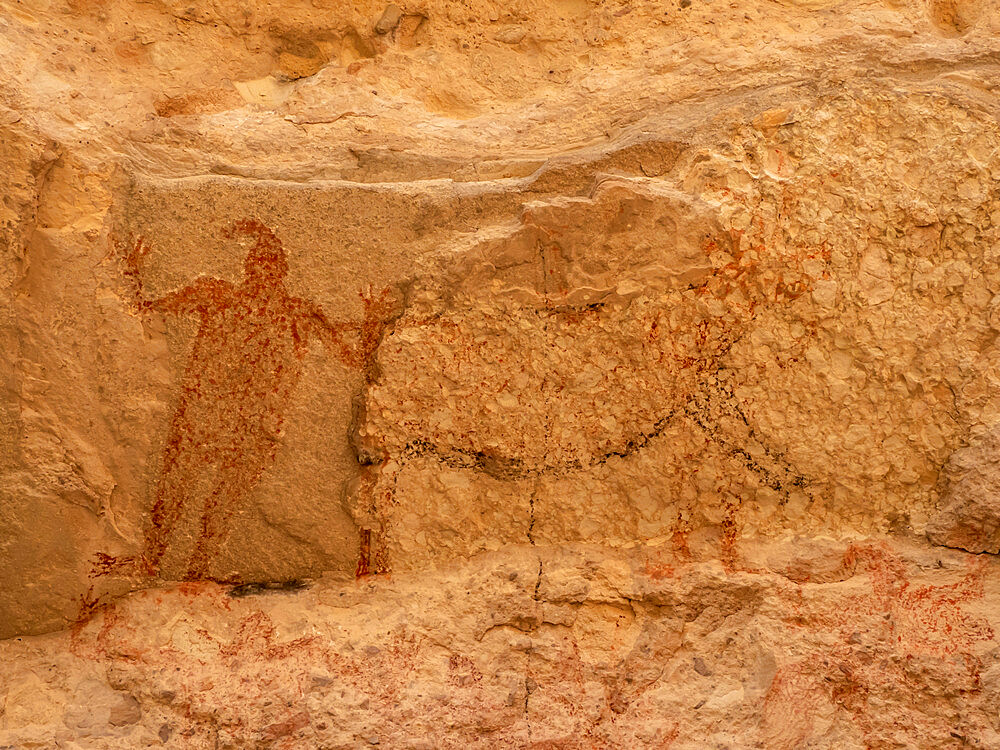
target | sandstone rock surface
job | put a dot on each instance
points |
(539, 374)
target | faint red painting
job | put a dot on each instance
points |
(890, 649)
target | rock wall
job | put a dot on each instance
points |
(542, 374)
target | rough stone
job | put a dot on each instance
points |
(536, 374)
(969, 518)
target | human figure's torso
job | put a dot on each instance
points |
(245, 361)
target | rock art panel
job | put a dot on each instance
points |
(540, 416)
(577, 374)
(245, 362)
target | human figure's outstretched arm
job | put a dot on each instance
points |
(197, 296)
(331, 334)
(201, 295)
(355, 343)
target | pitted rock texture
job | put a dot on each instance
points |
(538, 374)
(849, 645)
(969, 517)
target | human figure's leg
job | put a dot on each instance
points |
(166, 514)
(171, 498)
(236, 482)
(181, 461)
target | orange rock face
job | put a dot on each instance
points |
(540, 374)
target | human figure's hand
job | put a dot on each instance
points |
(356, 341)
(134, 256)
(126, 566)
(131, 261)
(379, 308)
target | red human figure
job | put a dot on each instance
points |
(244, 365)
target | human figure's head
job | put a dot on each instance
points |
(266, 262)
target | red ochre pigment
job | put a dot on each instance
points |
(244, 366)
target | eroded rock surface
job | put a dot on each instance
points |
(540, 374)
(969, 518)
(570, 646)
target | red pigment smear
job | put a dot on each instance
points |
(910, 622)
(925, 619)
(244, 366)
(364, 557)
(90, 607)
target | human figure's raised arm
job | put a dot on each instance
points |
(198, 296)
(357, 348)
(315, 323)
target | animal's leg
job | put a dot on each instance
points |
(716, 409)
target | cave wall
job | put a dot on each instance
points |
(540, 374)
